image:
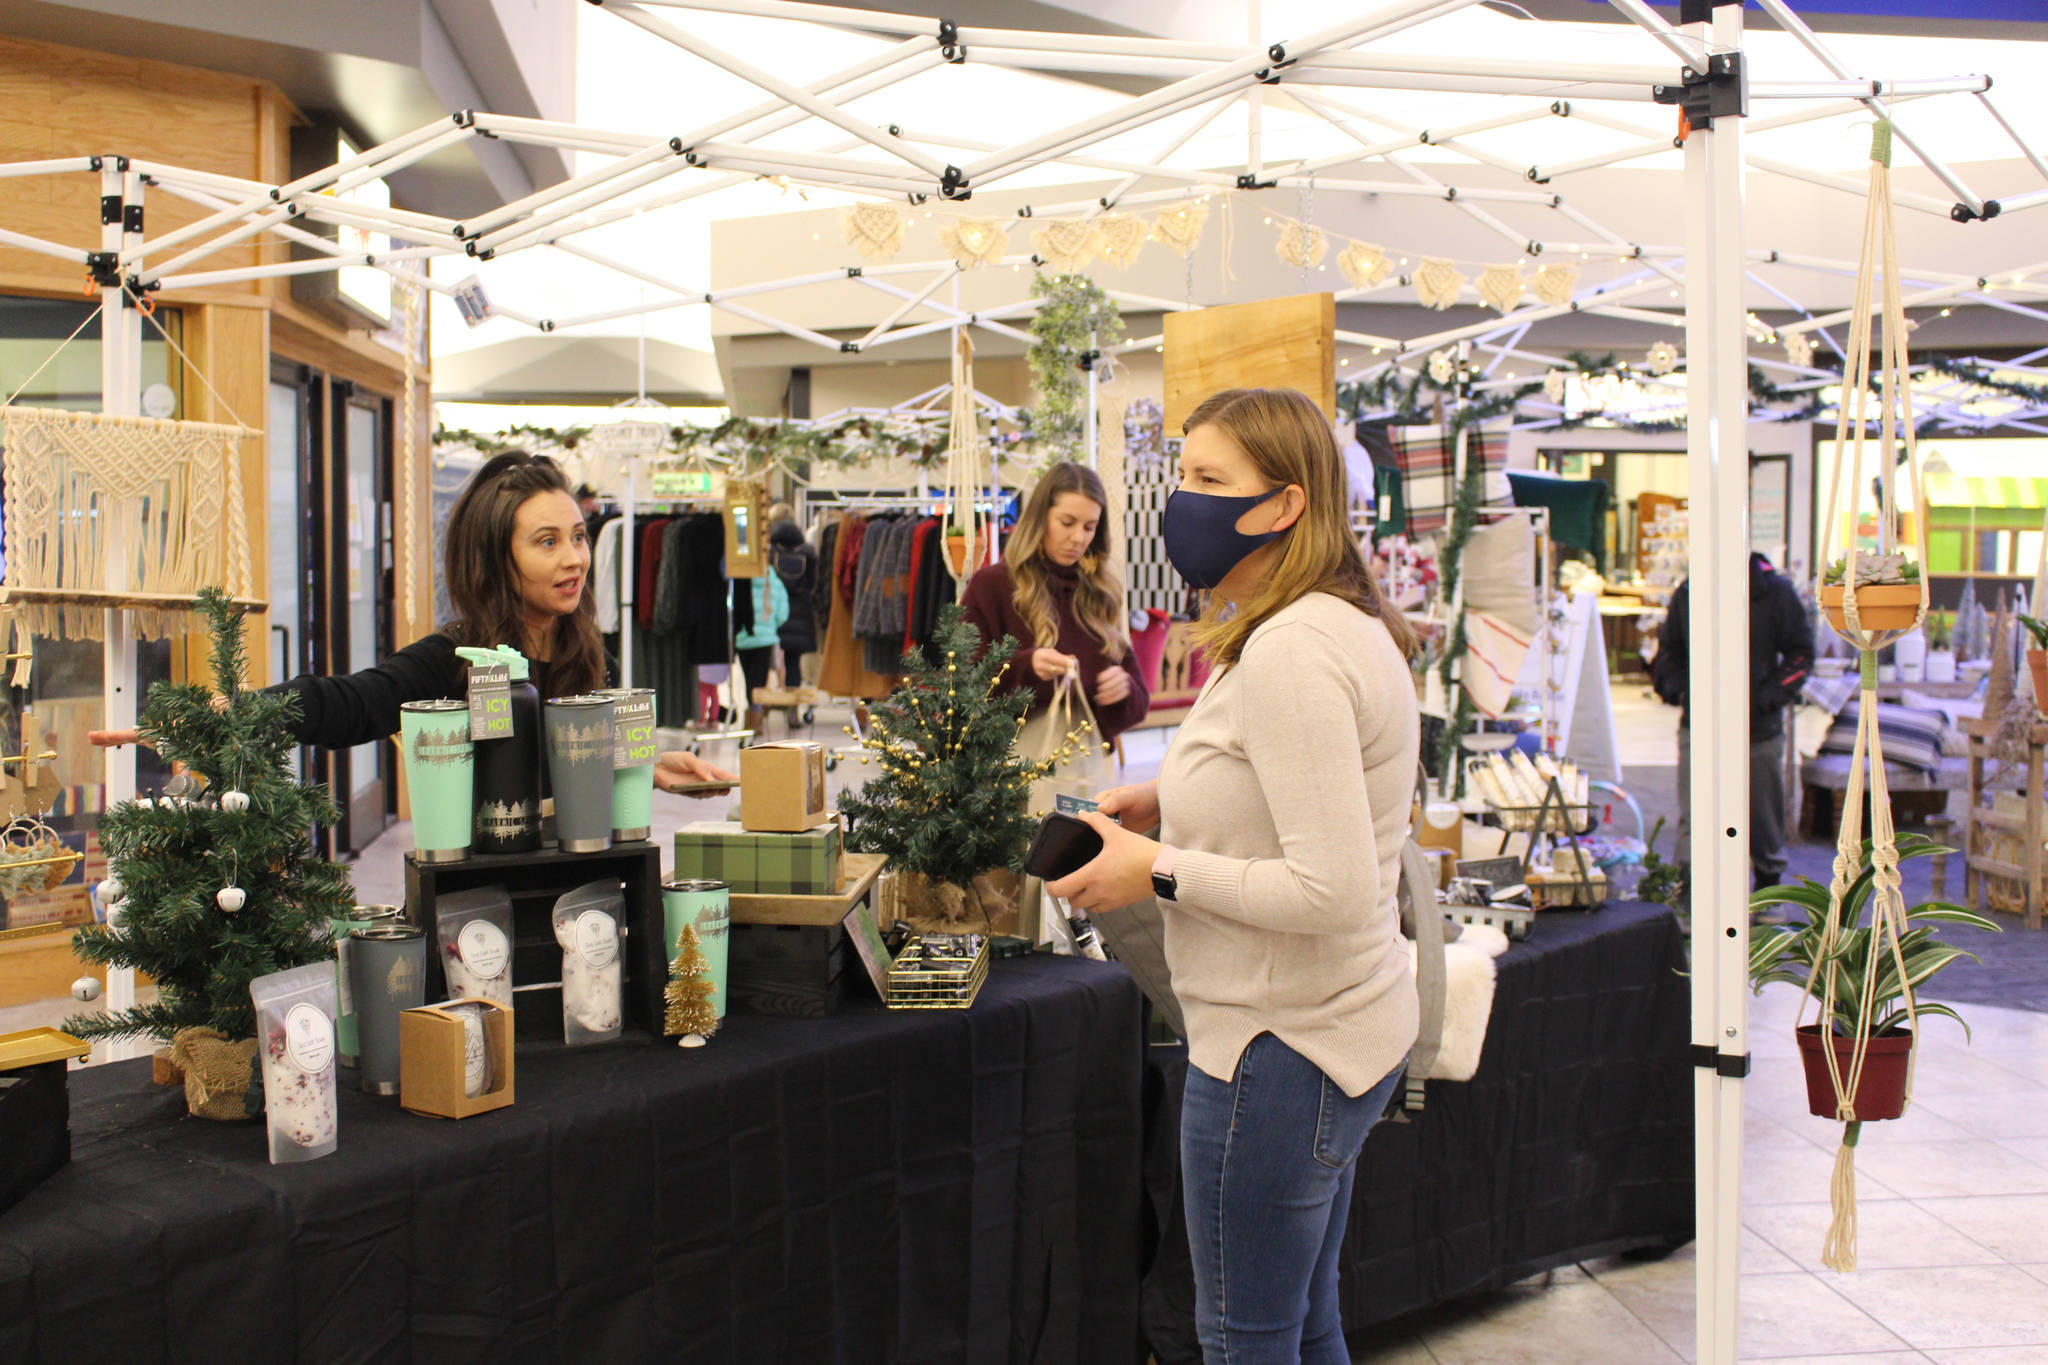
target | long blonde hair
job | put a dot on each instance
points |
(1098, 591)
(1289, 441)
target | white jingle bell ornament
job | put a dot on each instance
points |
(116, 912)
(144, 803)
(109, 890)
(231, 898)
(86, 988)
(234, 801)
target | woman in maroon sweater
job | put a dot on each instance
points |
(1055, 592)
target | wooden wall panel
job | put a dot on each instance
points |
(1275, 343)
(60, 101)
(231, 347)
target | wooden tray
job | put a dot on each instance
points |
(33, 1047)
(857, 875)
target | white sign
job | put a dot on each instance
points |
(629, 439)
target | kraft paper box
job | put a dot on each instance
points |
(431, 1061)
(782, 786)
(756, 863)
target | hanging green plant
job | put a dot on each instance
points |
(1075, 319)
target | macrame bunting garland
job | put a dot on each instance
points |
(1364, 264)
(1179, 228)
(1555, 284)
(1501, 287)
(1799, 348)
(874, 230)
(1301, 245)
(975, 241)
(1066, 244)
(1438, 283)
(1121, 237)
(170, 491)
(1663, 358)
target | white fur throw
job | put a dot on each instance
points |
(1468, 1000)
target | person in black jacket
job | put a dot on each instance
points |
(518, 573)
(1780, 660)
(796, 563)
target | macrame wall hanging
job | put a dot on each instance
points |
(1364, 264)
(1501, 287)
(1121, 237)
(966, 466)
(874, 230)
(1067, 245)
(975, 241)
(1877, 599)
(171, 491)
(1438, 283)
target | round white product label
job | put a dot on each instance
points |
(484, 948)
(597, 938)
(308, 1038)
(159, 400)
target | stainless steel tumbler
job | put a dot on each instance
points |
(388, 975)
(580, 771)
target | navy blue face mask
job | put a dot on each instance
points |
(1202, 540)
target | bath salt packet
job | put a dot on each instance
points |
(476, 1052)
(475, 929)
(295, 1038)
(587, 928)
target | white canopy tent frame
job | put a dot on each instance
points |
(1202, 79)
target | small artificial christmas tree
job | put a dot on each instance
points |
(690, 1012)
(952, 800)
(207, 894)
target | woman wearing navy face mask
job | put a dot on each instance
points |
(1281, 809)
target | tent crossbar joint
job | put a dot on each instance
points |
(1720, 91)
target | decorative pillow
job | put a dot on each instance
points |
(1498, 571)
(1911, 736)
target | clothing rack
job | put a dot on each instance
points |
(627, 506)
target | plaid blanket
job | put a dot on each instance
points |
(1426, 459)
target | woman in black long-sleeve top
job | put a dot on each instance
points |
(518, 564)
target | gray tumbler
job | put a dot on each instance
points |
(388, 975)
(580, 771)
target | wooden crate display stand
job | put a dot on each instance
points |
(535, 881)
(1982, 824)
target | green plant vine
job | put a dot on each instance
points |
(1075, 318)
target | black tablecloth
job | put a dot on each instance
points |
(1573, 1140)
(899, 1187)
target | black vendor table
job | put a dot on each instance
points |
(1573, 1140)
(876, 1186)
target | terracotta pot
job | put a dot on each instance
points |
(1881, 1091)
(1880, 606)
(2037, 661)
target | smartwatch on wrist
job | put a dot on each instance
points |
(1163, 884)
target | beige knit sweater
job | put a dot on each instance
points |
(1286, 794)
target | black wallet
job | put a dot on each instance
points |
(1063, 846)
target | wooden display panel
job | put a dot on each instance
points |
(1276, 343)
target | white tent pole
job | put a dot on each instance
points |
(1718, 460)
(120, 396)
(1684, 46)
(903, 309)
(2033, 157)
(57, 166)
(485, 224)
(1114, 198)
(75, 255)
(1925, 203)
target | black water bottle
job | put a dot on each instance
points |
(508, 770)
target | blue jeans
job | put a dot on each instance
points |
(1267, 1162)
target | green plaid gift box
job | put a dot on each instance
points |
(755, 863)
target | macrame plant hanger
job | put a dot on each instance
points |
(965, 459)
(1867, 626)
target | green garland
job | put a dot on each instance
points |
(752, 446)
(1074, 317)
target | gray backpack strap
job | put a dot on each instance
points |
(1423, 921)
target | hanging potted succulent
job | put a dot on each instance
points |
(1864, 990)
(1887, 592)
(2037, 660)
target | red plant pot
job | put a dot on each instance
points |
(1880, 1094)
(2037, 663)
